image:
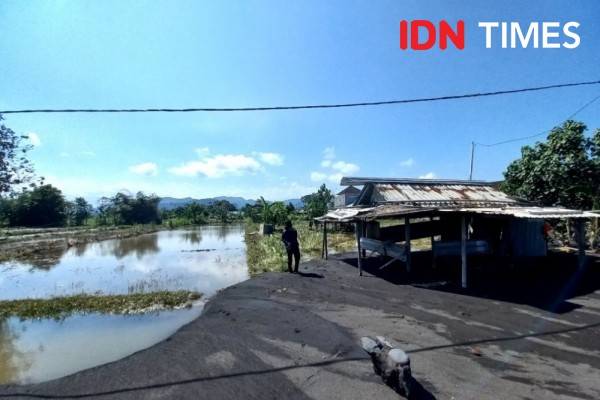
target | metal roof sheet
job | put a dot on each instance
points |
(530, 212)
(350, 189)
(349, 214)
(359, 181)
(428, 194)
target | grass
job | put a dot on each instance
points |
(61, 307)
(266, 253)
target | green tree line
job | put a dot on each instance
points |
(46, 206)
(220, 211)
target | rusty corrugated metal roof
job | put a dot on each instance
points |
(427, 194)
(388, 198)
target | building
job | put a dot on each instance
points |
(346, 197)
(462, 218)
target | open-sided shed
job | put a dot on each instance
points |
(462, 218)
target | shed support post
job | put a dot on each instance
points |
(407, 243)
(463, 250)
(357, 229)
(363, 230)
(580, 230)
(433, 260)
(324, 251)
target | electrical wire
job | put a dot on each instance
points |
(580, 109)
(300, 107)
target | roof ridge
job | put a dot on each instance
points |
(350, 180)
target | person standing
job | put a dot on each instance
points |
(289, 237)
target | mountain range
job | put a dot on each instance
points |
(169, 203)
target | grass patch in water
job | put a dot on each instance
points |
(60, 307)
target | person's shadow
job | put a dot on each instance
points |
(310, 275)
(419, 392)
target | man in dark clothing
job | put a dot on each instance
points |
(289, 237)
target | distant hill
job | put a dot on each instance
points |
(169, 203)
(297, 203)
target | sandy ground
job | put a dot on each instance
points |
(290, 336)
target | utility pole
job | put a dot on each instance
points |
(472, 159)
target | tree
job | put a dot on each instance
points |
(317, 204)
(80, 211)
(220, 210)
(15, 168)
(252, 211)
(290, 207)
(279, 213)
(124, 209)
(564, 170)
(195, 213)
(42, 206)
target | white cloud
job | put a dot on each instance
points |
(317, 176)
(429, 175)
(218, 166)
(329, 153)
(335, 178)
(88, 153)
(147, 168)
(344, 167)
(409, 162)
(202, 151)
(334, 170)
(34, 139)
(285, 191)
(271, 158)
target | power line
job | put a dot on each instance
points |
(300, 107)
(474, 144)
(586, 105)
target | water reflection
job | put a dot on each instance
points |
(167, 260)
(139, 246)
(194, 237)
(39, 350)
(12, 361)
(33, 351)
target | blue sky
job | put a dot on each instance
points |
(64, 54)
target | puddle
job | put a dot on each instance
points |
(39, 350)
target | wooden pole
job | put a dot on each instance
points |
(472, 161)
(363, 234)
(323, 243)
(407, 243)
(433, 260)
(463, 250)
(580, 229)
(357, 229)
(325, 239)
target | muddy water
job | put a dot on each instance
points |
(205, 259)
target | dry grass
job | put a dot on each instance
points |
(266, 253)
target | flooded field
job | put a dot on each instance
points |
(203, 259)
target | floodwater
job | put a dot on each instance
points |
(205, 259)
